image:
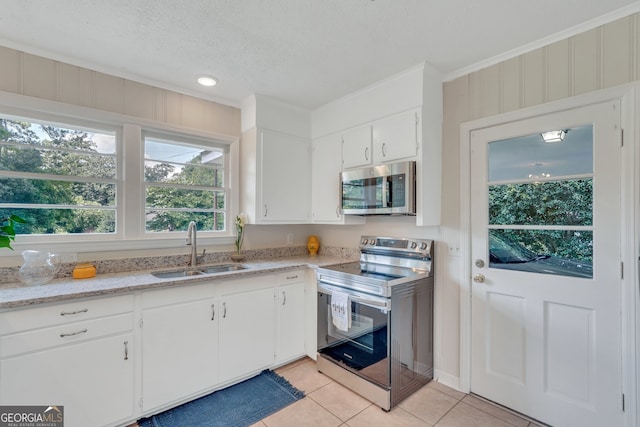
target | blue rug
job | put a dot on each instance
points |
(241, 404)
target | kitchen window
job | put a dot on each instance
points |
(110, 182)
(62, 180)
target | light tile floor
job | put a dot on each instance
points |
(329, 404)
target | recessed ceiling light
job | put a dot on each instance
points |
(206, 80)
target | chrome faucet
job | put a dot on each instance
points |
(191, 241)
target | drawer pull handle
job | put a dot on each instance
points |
(224, 312)
(284, 298)
(69, 313)
(292, 277)
(70, 334)
(213, 311)
(126, 350)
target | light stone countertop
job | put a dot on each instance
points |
(108, 284)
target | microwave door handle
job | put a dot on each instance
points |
(387, 192)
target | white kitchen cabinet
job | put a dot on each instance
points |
(290, 316)
(276, 177)
(179, 344)
(85, 364)
(357, 147)
(247, 332)
(326, 165)
(396, 137)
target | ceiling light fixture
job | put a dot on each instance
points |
(553, 136)
(207, 80)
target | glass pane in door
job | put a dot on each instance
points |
(541, 203)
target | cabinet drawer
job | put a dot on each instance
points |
(11, 345)
(178, 294)
(293, 276)
(26, 319)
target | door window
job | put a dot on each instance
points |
(541, 203)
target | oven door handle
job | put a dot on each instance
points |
(380, 303)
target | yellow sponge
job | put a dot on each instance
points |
(84, 271)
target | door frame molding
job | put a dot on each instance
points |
(629, 96)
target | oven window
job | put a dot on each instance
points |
(364, 347)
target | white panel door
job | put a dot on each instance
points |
(546, 221)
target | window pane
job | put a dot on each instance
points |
(530, 158)
(561, 252)
(64, 221)
(168, 197)
(185, 182)
(177, 173)
(183, 164)
(27, 159)
(158, 220)
(543, 203)
(37, 191)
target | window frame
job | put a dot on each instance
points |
(130, 232)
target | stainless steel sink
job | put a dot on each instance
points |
(176, 273)
(223, 268)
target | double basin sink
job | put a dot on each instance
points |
(224, 268)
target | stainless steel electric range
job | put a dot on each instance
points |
(381, 346)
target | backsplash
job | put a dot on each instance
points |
(9, 275)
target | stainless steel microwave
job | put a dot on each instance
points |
(388, 189)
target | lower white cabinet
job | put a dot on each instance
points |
(290, 313)
(247, 331)
(84, 364)
(179, 351)
(110, 361)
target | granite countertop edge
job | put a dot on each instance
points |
(67, 289)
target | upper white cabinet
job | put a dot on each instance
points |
(357, 148)
(396, 137)
(275, 163)
(399, 118)
(284, 188)
(326, 165)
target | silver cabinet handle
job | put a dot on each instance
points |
(126, 350)
(224, 310)
(366, 153)
(284, 298)
(266, 210)
(337, 211)
(70, 334)
(69, 313)
(292, 277)
(384, 151)
(213, 311)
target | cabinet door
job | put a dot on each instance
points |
(285, 184)
(396, 137)
(326, 165)
(291, 320)
(356, 148)
(179, 351)
(93, 380)
(247, 333)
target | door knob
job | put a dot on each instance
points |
(478, 278)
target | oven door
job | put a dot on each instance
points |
(364, 348)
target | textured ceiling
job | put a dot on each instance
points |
(303, 52)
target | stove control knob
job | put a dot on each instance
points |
(364, 241)
(414, 245)
(423, 246)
